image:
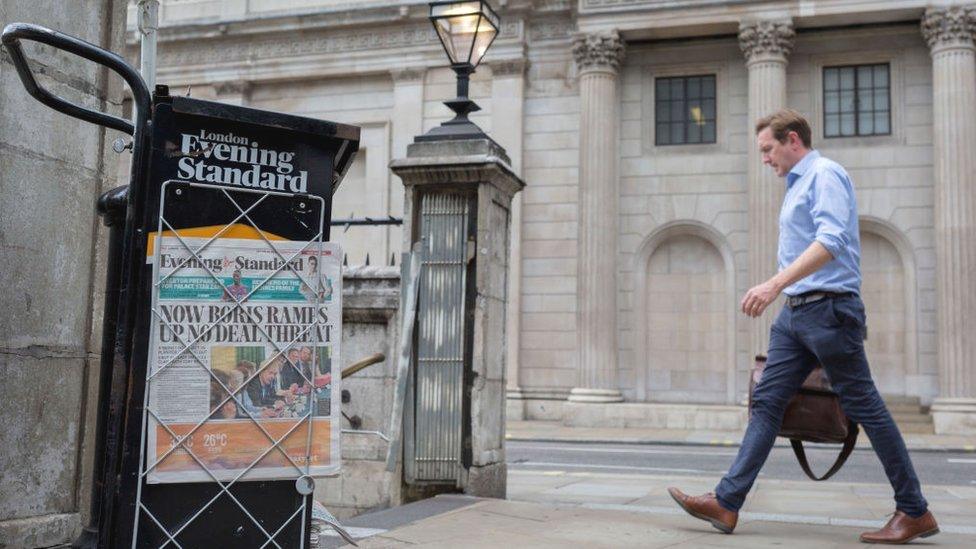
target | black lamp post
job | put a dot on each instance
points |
(466, 30)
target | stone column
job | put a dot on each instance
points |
(598, 57)
(507, 102)
(950, 36)
(766, 45)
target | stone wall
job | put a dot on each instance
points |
(52, 169)
(684, 344)
(698, 192)
(367, 189)
(548, 364)
(687, 201)
(370, 299)
(893, 178)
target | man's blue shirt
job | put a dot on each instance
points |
(820, 205)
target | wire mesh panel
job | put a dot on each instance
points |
(439, 380)
(244, 330)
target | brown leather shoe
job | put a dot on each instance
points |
(903, 529)
(706, 507)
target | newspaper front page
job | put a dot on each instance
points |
(244, 341)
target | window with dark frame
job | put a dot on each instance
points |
(684, 110)
(857, 100)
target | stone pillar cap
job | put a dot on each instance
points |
(462, 163)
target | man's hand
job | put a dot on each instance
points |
(759, 297)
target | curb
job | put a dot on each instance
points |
(967, 449)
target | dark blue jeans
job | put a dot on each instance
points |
(828, 332)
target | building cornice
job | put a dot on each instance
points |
(325, 17)
(597, 7)
(551, 28)
(587, 7)
(331, 41)
(508, 67)
(639, 20)
(416, 38)
(405, 75)
(370, 39)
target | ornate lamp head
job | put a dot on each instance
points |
(466, 30)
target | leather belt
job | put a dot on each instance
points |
(811, 297)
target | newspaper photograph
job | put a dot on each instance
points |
(244, 340)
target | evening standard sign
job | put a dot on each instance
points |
(229, 159)
(244, 337)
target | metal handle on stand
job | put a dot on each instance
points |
(15, 32)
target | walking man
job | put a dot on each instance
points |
(822, 322)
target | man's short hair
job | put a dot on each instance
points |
(784, 121)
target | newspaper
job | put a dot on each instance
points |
(244, 337)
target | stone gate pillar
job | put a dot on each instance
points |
(457, 211)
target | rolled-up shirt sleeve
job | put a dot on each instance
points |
(832, 204)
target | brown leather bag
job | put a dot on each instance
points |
(812, 415)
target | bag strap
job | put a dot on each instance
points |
(845, 452)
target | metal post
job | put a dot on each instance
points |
(463, 71)
(459, 127)
(111, 207)
(148, 22)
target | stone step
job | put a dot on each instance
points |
(901, 399)
(912, 418)
(909, 414)
(904, 405)
(916, 428)
(906, 409)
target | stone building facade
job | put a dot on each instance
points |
(647, 212)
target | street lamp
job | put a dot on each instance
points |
(466, 30)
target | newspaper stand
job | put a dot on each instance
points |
(170, 200)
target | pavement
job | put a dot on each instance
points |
(553, 431)
(492, 523)
(561, 506)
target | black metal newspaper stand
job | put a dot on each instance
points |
(172, 138)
